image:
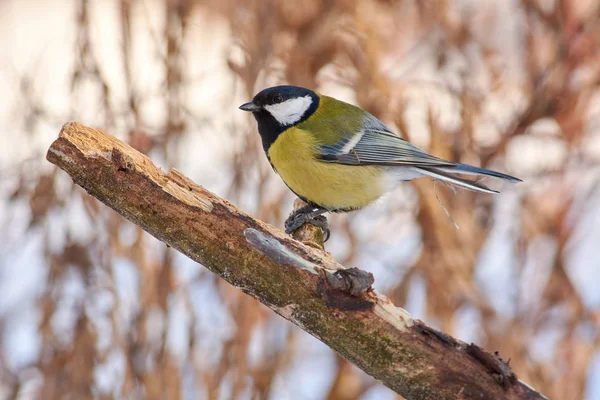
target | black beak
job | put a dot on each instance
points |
(251, 107)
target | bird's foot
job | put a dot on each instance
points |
(301, 217)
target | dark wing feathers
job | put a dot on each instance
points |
(374, 144)
(378, 146)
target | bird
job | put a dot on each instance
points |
(338, 157)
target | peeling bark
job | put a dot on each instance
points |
(301, 283)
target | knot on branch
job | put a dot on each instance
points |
(353, 281)
(343, 289)
(497, 366)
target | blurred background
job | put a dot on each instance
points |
(92, 307)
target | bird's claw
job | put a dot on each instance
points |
(296, 220)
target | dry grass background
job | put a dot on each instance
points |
(512, 85)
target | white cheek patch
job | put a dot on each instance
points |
(290, 111)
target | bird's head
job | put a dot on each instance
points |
(285, 105)
(278, 108)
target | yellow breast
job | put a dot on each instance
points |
(330, 185)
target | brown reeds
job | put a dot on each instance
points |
(508, 85)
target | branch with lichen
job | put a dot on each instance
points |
(300, 282)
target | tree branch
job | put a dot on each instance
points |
(301, 283)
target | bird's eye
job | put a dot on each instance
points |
(278, 98)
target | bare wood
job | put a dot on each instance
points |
(301, 283)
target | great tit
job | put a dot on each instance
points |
(338, 157)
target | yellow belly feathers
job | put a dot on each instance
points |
(330, 185)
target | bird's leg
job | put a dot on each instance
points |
(307, 215)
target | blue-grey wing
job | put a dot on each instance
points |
(374, 144)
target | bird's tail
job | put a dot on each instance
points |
(449, 174)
